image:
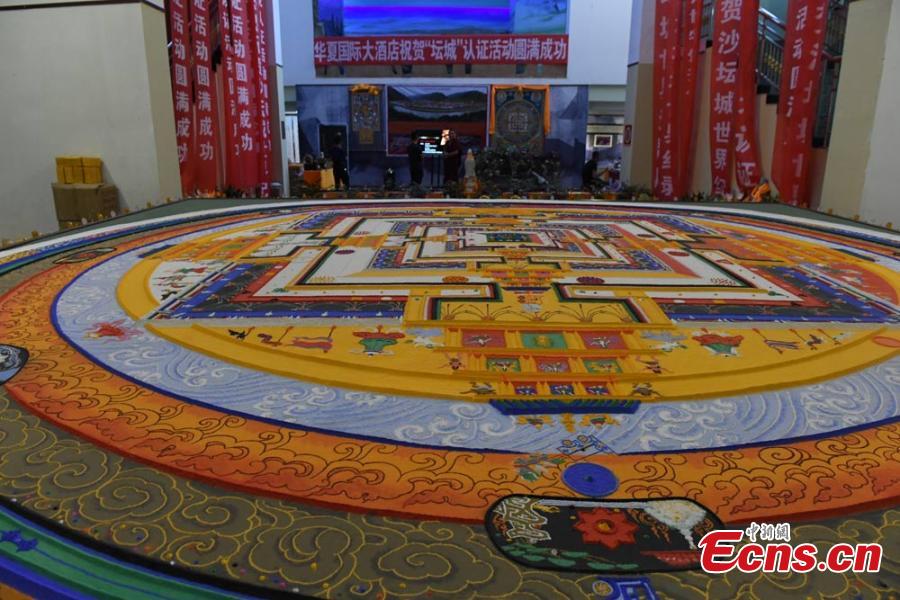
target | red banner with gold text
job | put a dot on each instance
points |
(746, 149)
(246, 127)
(229, 88)
(442, 49)
(723, 91)
(205, 105)
(261, 65)
(800, 80)
(689, 64)
(179, 61)
(666, 50)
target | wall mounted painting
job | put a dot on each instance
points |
(603, 140)
(520, 117)
(366, 117)
(462, 109)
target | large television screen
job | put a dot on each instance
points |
(335, 18)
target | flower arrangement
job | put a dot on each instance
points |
(512, 171)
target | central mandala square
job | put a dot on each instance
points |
(369, 267)
(533, 311)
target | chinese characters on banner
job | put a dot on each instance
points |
(261, 58)
(666, 49)
(723, 92)
(205, 100)
(181, 90)
(688, 80)
(245, 127)
(747, 162)
(732, 122)
(230, 89)
(800, 80)
(442, 49)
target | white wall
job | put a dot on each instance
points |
(598, 47)
(881, 194)
(83, 80)
(640, 40)
(861, 173)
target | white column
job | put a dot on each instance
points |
(637, 158)
(861, 172)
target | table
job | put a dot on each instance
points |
(321, 178)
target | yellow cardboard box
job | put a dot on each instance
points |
(69, 169)
(79, 169)
(93, 169)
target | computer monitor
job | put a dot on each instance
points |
(431, 140)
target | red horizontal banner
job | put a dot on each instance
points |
(442, 49)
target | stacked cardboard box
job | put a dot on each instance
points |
(78, 201)
(80, 192)
(93, 169)
(79, 169)
(69, 169)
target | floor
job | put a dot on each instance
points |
(457, 399)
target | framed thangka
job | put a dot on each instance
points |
(366, 117)
(520, 118)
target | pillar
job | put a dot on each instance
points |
(637, 158)
(861, 170)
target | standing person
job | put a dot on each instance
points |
(452, 157)
(414, 152)
(339, 163)
(587, 172)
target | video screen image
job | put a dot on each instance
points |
(437, 17)
(414, 109)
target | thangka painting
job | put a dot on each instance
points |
(365, 117)
(462, 109)
(519, 119)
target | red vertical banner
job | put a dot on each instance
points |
(747, 163)
(246, 126)
(723, 91)
(261, 64)
(800, 80)
(229, 124)
(666, 50)
(181, 91)
(205, 106)
(689, 77)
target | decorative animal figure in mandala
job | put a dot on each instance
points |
(480, 389)
(116, 330)
(668, 341)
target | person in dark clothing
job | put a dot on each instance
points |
(587, 172)
(452, 158)
(414, 152)
(339, 163)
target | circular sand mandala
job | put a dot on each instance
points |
(456, 361)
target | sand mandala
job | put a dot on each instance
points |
(533, 312)
(479, 364)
